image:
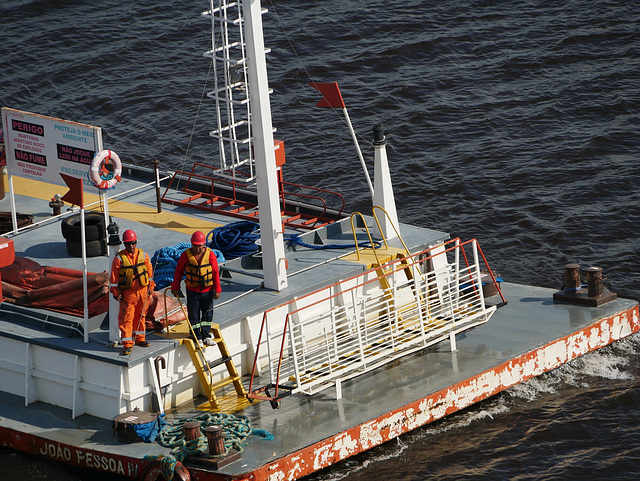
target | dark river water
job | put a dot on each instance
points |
(513, 122)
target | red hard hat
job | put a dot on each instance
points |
(197, 239)
(129, 236)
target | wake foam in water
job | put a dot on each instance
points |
(468, 418)
(539, 411)
(388, 452)
(607, 363)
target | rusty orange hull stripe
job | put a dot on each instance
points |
(372, 433)
(449, 400)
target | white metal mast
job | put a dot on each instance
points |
(245, 131)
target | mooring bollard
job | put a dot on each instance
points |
(191, 430)
(572, 277)
(56, 204)
(215, 437)
(594, 281)
(596, 294)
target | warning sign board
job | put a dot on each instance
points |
(42, 147)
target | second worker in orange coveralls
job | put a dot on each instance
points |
(132, 285)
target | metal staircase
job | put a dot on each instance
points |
(301, 206)
(204, 368)
(401, 304)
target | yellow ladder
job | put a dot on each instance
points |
(203, 367)
(382, 272)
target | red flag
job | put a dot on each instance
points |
(75, 195)
(330, 95)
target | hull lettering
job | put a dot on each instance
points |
(88, 459)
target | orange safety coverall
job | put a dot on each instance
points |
(133, 305)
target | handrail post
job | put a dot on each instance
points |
(493, 277)
(476, 260)
(156, 171)
(355, 239)
(458, 247)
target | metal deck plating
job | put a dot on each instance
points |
(530, 335)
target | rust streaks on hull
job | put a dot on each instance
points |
(449, 400)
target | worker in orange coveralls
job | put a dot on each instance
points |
(132, 285)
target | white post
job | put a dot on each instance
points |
(477, 273)
(338, 383)
(452, 341)
(85, 297)
(383, 190)
(7, 150)
(114, 306)
(271, 229)
(114, 334)
(14, 216)
(355, 141)
(105, 205)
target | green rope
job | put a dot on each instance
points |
(235, 428)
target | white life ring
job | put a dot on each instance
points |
(104, 179)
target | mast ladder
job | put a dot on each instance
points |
(231, 90)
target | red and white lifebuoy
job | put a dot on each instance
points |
(101, 177)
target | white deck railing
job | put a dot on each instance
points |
(374, 318)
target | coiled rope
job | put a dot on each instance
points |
(236, 239)
(228, 242)
(235, 428)
(165, 261)
(295, 239)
